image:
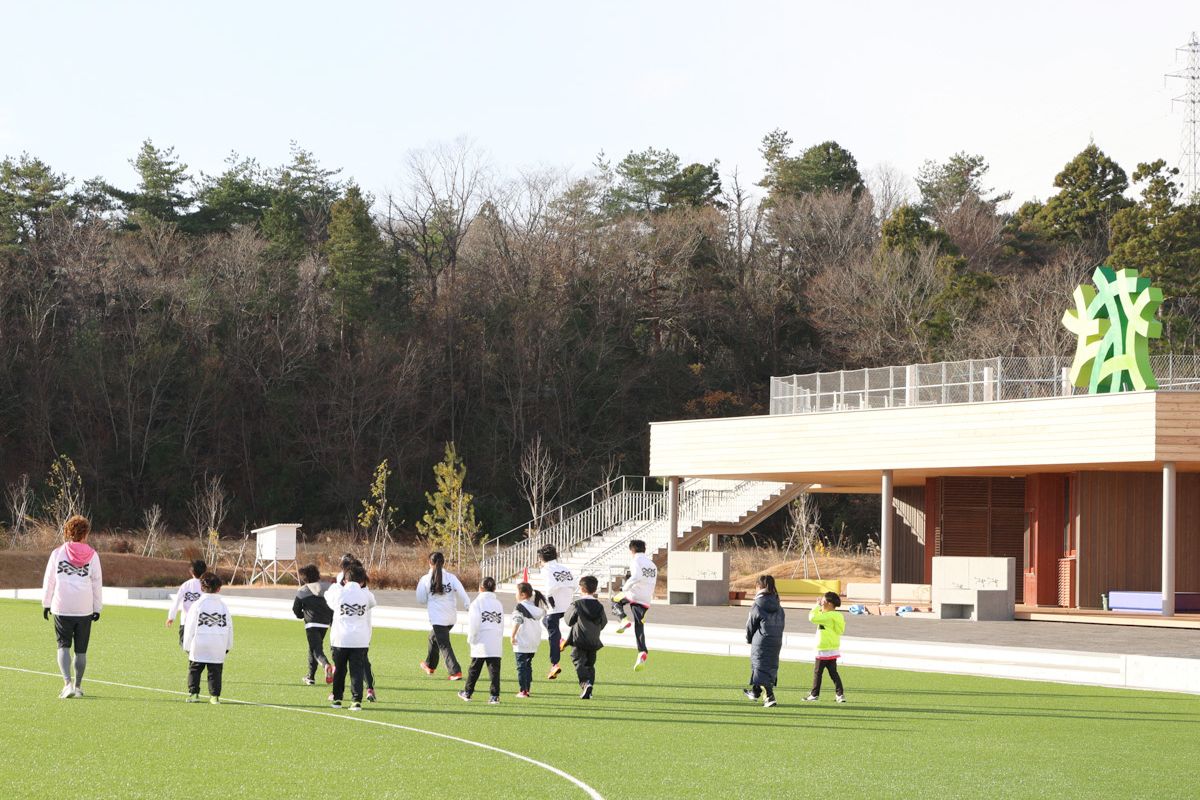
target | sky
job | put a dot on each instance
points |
(552, 84)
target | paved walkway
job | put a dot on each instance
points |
(1177, 643)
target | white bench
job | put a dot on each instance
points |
(974, 588)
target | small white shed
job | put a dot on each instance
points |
(275, 552)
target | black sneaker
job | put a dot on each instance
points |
(466, 698)
(769, 702)
(336, 704)
(493, 701)
(586, 694)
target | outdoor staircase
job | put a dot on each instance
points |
(593, 531)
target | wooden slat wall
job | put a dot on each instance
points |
(1120, 533)
(1095, 429)
(983, 517)
(908, 529)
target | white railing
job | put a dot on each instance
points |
(971, 381)
(575, 521)
(700, 501)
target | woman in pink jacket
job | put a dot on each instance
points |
(71, 592)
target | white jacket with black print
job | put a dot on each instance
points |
(351, 606)
(485, 626)
(189, 592)
(643, 575)
(526, 630)
(442, 602)
(558, 582)
(208, 630)
(69, 590)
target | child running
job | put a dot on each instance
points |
(188, 593)
(527, 634)
(348, 560)
(207, 637)
(764, 634)
(439, 591)
(830, 627)
(637, 594)
(558, 582)
(350, 633)
(311, 607)
(71, 590)
(485, 632)
(585, 620)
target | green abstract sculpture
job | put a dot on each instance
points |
(1115, 323)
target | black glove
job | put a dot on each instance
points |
(45, 613)
(96, 617)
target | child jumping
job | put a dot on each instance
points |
(350, 633)
(830, 627)
(585, 620)
(207, 637)
(188, 593)
(439, 591)
(764, 634)
(558, 582)
(311, 607)
(71, 591)
(637, 594)
(527, 634)
(485, 632)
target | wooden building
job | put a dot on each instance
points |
(1089, 493)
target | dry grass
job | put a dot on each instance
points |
(747, 562)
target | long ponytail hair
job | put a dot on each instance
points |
(766, 583)
(436, 578)
(539, 599)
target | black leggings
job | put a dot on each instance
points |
(354, 658)
(493, 666)
(439, 643)
(316, 649)
(638, 612)
(822, 665)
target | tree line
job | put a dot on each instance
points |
(283, 329)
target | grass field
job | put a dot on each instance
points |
(678, 729)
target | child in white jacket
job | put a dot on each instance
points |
(440, 592)
(350, 633)
(527, 634)
(485, 634)
(71, 590)
(207, 637)
(636, 595)
(188, 593)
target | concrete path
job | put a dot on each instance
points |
(1174, 643)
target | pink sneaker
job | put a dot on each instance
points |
(523, 694)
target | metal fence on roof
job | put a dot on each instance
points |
(972, 381)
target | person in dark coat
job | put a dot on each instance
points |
(311, 607)
(585, 620)
(764, 634)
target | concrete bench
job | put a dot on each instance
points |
(691, 592)
(1151, 602)
(974, 604)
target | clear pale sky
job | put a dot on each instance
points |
(553, 83)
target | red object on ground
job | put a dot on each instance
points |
(525, 576)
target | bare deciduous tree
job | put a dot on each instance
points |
(18, 496)
(541, 479)
(209, 506)
(152, 526)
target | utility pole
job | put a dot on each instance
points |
(1189, 155)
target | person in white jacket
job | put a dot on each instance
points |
(558, 582)
(188, 593)
(208, 638)
(636, 594)
(350, 633)
(526, 634)
(71, 591)
(440, 592)
(485, 634)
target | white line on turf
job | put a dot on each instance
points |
(592, 793)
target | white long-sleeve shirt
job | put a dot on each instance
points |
(69, 590)
(188, 593)
(351, 606)
(643, 575)
(208, 630)
(558, 582)
(526, 627)
(442, 602)
(485, 626)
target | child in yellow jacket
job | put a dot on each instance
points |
(830, 627)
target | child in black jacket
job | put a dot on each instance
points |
(585, 620)
(311, 607)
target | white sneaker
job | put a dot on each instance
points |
(641, 661)
(68, 690)
(78, 692)
(841, 698)
(769, 702)
(750, 695)
(811, 699)
(624, 626)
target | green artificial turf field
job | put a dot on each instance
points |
(678, 729)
